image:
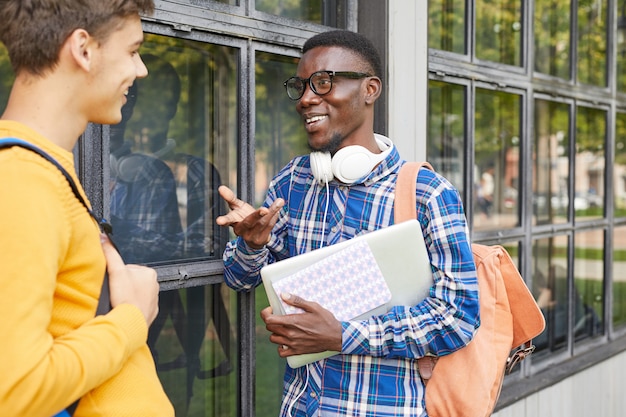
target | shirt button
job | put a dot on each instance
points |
(313, 395)
(334, 229)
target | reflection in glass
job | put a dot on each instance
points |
(588, 284)
(279, 136)
(590, 163)
(279, 133)
(499, 31)
(619, 166)
(621, 46)
(592, 43)
(331, 13)
(619, 278)
(550, 289)
(552, 37)
(194, 350)
(446, 131)
(551, 151)
(6, 77)
(446, 25)
(497, 164)
(168, 156)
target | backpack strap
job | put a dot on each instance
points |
(405, 202)
(404, 209)
(104, 305)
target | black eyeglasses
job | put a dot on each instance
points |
(321, 82)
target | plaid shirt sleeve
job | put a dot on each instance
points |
(447, 319)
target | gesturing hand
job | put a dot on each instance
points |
(253, 225)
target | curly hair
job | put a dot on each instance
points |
(348, 40)
(34, 31)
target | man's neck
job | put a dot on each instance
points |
(45, 105)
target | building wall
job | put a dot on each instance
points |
(597, 391)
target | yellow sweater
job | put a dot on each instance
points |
(53, 350)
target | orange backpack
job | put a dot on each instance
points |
(467, 382)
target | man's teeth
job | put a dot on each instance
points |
(315, 119)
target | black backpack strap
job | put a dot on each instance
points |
(104, 305)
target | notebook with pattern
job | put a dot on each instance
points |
(398, 251)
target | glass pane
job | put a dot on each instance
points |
(550, 289)
(446, 25)
(621, 45)
(592, 45)
(590, 163)
(551, 163)
(170, 152)
(325, 12)
(619, 167)
(6, 77)
(446, 131)
(552, 37)
(588, 284)
(192, 341)
(279, 133)
(176, 143)
(619, 279)
(497, 164)
(279, 136)
(499, 31)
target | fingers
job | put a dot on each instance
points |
(228, 195)
(112, 256)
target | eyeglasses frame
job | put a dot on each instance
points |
(347, 74)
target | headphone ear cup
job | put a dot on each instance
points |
(354, 162)
(321, 167)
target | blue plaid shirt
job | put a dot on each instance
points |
(376, 373)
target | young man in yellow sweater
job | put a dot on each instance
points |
(74, 62)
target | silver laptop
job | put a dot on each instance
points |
(401, 255)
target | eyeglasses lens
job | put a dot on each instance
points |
(321, 83)
(295, 87)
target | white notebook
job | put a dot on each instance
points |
(396, 255)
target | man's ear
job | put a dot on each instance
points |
(374, 89)
(81, 48)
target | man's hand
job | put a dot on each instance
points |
(314, 330)
(131, 284)
(254, 226)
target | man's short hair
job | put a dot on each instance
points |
(349, 40)
(34, 31)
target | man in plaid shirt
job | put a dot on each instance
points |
(328, 197)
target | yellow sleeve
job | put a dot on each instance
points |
(42, 372)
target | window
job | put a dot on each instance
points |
(531, 109)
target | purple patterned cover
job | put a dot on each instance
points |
(348, 283)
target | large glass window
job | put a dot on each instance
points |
(446, 131)
(590, 163)
(621, 45)
(619, 279)
(551, 162)
(175, 145)
(446, 22)
(592, 42)
(588, 284)
(6, 77)
(550, 287)
(499, 31)
(619, 166)
(497, 160)
(327, 12)
(279, 136)
(552, 37)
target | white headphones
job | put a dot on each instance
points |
(349, 163)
